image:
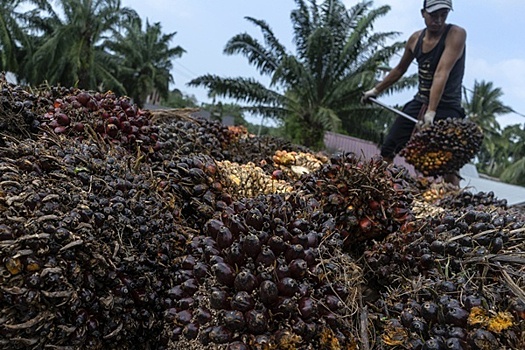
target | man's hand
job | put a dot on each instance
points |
(428, 119)
(368, 94)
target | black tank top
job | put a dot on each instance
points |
(427, 63)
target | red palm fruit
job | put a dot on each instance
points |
(112, 130)
(277, 174)
(374, 205)
(63, 119)
(60, 129)
(125, 126)
(366, 224)
(83, 98)
(78, 126)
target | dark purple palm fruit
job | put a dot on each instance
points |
(212, 227)
(200, 271)
(456, 316)
(481, 339)
(237, 345)
(190, 331)
(294, 251)
(202, 316)
(454, 344)
(224, 273)
(268, 292)
(245, 281)
(251, 245)
(219, 299)
(237, 226)
(434, 344)
(298, 268)
(254, 218)
(265, 258)
(429, 311)
(307, 307)
(234, 320)
(277, 244)
(256, 321)
(242, 301)
(220, 335)
(235, 255)
(287, 287)
(224, 237)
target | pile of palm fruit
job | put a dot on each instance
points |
(193, 235)
(444, 147)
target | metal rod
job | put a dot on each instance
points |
(391, 109)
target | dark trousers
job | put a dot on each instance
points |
(402, 129)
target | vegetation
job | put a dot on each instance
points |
(93, 45)
(316, 88)
(502, 154)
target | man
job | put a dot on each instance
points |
(440, 53)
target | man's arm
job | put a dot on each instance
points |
(454, 46)
(397, 72)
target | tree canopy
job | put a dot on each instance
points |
(310, 90)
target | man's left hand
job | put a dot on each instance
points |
(428, 119)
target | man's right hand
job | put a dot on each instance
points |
(368, 94)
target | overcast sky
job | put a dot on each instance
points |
(495, 45)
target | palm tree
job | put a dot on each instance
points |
(144, 59)
(12, 35)
(70, 50)
(336, 55)
(482, 107)
(514, 172)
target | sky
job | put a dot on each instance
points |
(495, 46)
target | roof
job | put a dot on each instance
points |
(515, 195)
(343, 143)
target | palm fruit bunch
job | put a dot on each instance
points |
(182, 133)
(265, 273)
(291, 165)
(17, 112)
(444, 147)
(447, 284)
(113, 119)
(261, 151)
(192, 185)
(368, 199)
(85, 243)
(249, 180)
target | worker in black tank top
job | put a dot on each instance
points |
(440, 53)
